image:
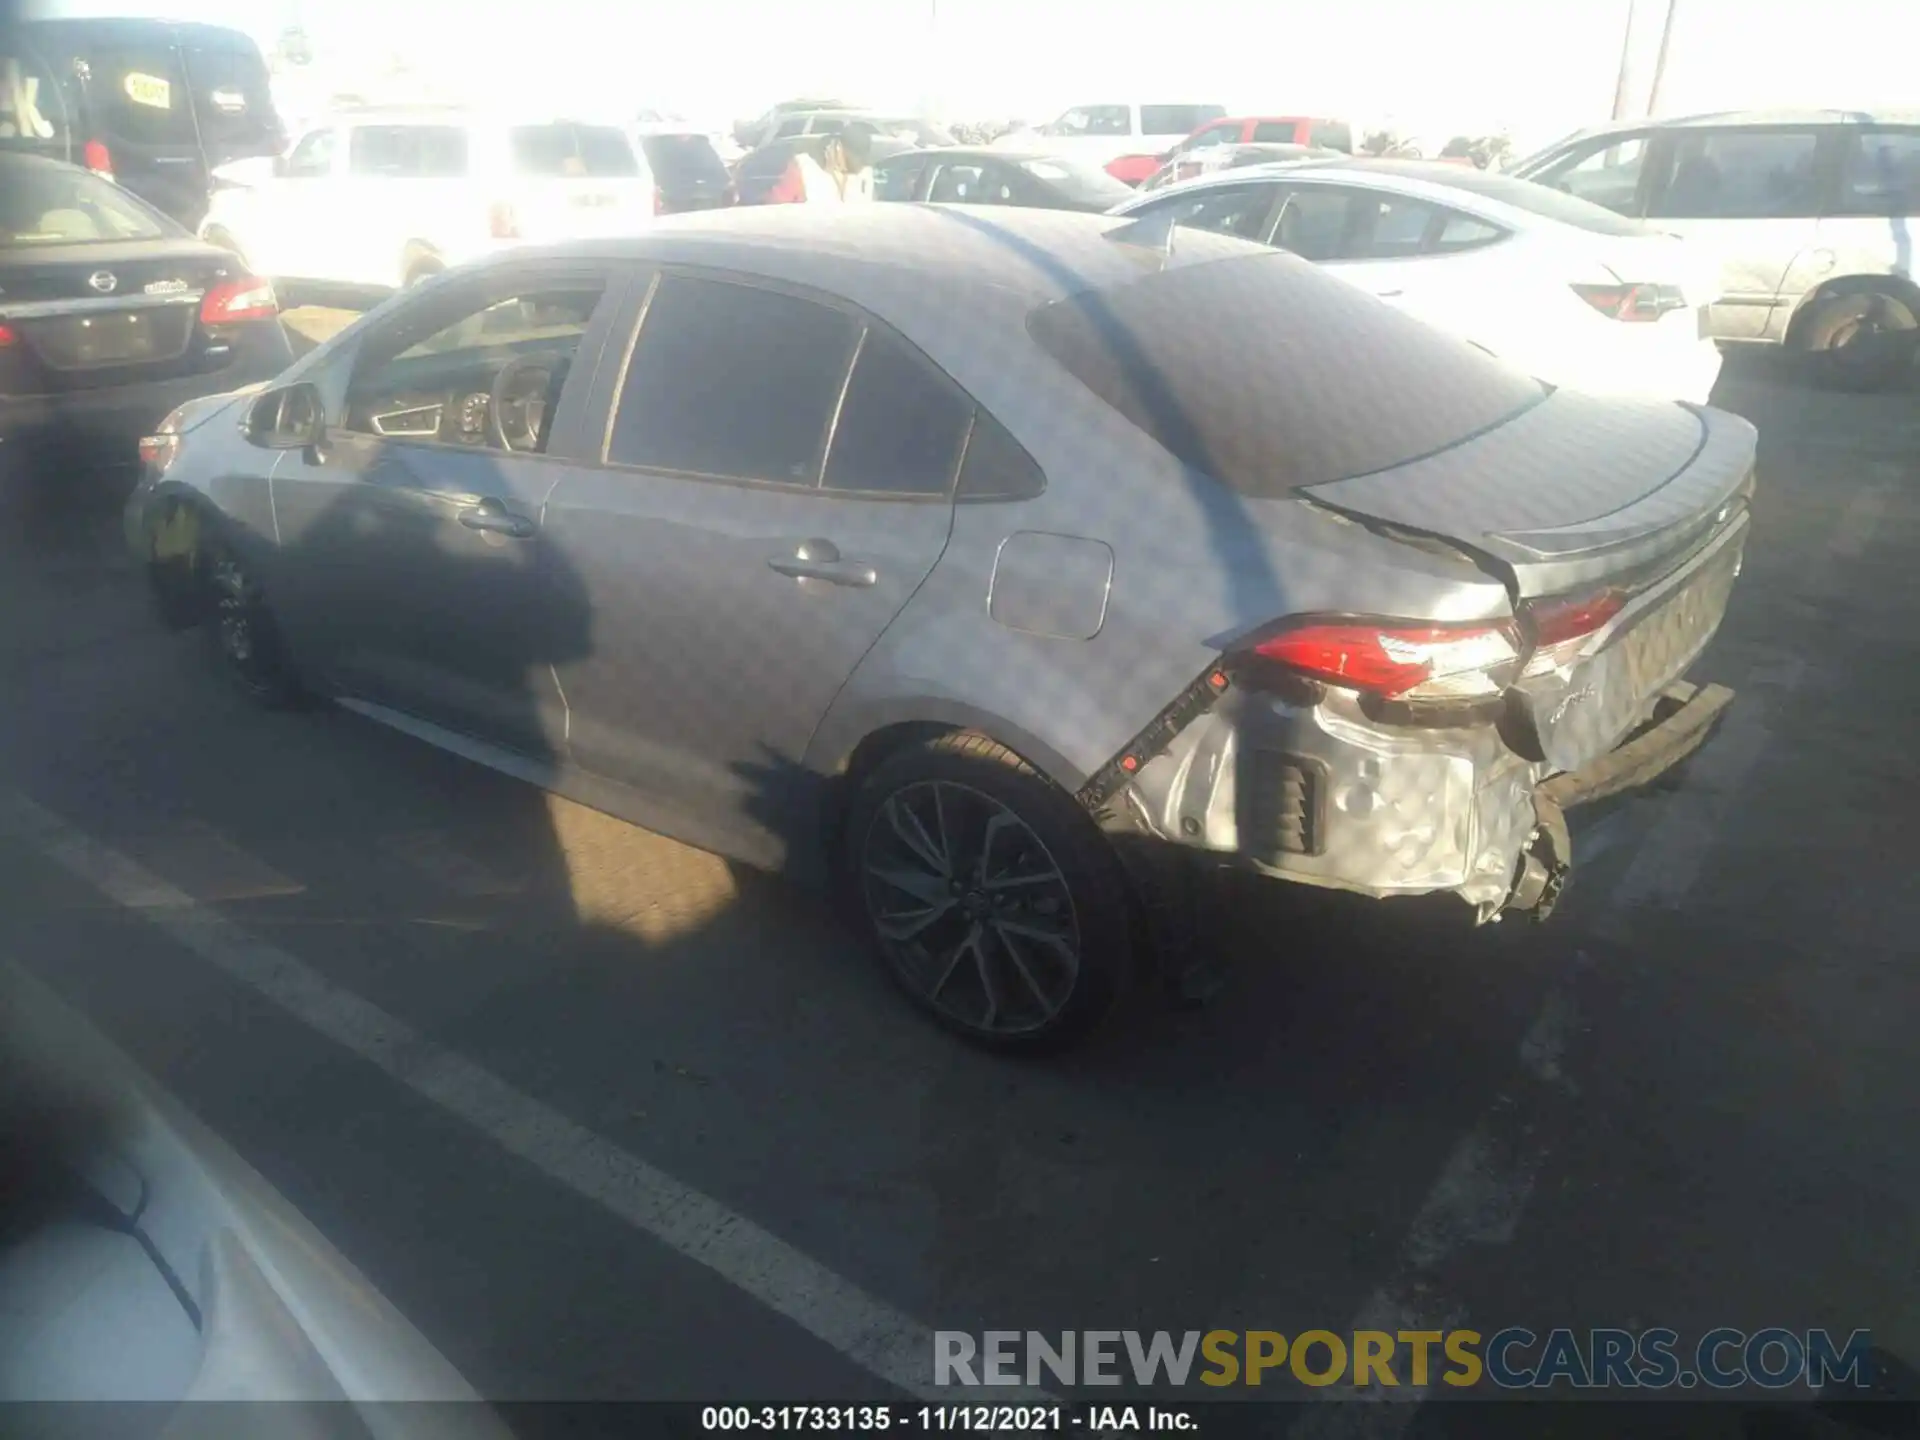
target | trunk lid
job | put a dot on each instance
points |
(104, 315)
(1642, 501)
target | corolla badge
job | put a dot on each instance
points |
(105, 281)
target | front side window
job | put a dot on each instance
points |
(1275, 132)
(1601, 172)
(1881, 174)
(1745, 174)
(312, 157)
(898, 179)
(44, 204)
(429, 373)
(734, 381)
(1316, 222)
(1226, 210)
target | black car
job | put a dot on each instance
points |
(111, 314)
(153, 104)
(688, 173)
(989, 176)
(766, 176)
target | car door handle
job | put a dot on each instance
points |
(496, 521)
(820, 560)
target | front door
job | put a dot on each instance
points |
(1750, 196)
(764, 513)
(417, 571)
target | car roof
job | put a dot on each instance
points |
(1431, 180)
(1720, 118)
(1037, 256)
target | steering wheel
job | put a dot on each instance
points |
(516, 408)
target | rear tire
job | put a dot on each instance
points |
(992, 896)
(1861, 342)
(242, 634)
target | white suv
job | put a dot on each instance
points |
(385, 198)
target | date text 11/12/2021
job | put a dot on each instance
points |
(942, 1419)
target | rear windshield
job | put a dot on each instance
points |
(570, 151)
(1534, 199)
(232, 97)
(46, 204)
(683, 158)
(1271, 375)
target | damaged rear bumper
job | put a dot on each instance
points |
(1311, 788)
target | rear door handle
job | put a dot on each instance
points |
(491, 517)
(821, 560)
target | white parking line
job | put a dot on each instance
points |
(868, 1331)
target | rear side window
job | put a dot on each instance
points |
(569, 151)
(140, 91)
(232, 97)
(1881, 174)
(1316, 222)
(901, 424)
(1276, 132)
(1744, 174)
(997, 466)
(1537, 199)
(410, 152)
(1177, 119)
(1392, 227)
(1225, 209)
(1465, 232)
(1270, 375)
(732, 380)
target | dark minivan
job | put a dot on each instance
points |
(154, 105)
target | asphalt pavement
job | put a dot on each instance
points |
(608, 1118)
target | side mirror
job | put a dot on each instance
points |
(287, 419)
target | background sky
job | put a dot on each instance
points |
(1536, 68)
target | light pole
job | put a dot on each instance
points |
(1660, 60)
(1626, 57)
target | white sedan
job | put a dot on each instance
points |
(1572, 293)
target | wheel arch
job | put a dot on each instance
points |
(176, 530)
(1906, 291)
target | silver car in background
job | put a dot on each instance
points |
(984, 562)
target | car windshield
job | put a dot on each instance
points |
(1175, 354)
(1078, 181)
(571, 151)
(48, 204)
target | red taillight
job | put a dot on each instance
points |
(97, 158)
(1396, 660)
(502, 223)
(1562, 626)
(659, 201)
(790, 188)
(1633, 302)
(7, 337)
(248, 298)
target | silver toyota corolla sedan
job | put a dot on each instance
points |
(980, 562)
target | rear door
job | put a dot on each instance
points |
(567, 180)
(140, 100)
(777, 484)
(1750, 195)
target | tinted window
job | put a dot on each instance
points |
(898, 179)
(997, 466)
(571, 151)
(33, 107)
(1177, 119)
(1534, 198)
(1315, 223)
(1269, 375)
(414, 152)
(1226, 210)
(901, 424)
(232, 97)
(1882, 174)
(1465, 232)
(1275, 131)
(44, 204)
(732, 380)
(140, 93)
(1738, 175)
(1601, 172)
(312, 157)
(1391, 227)
(1332, 134)
(684, 159)
(788, 128)
(975, 183)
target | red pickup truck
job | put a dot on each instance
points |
(1247, 129)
